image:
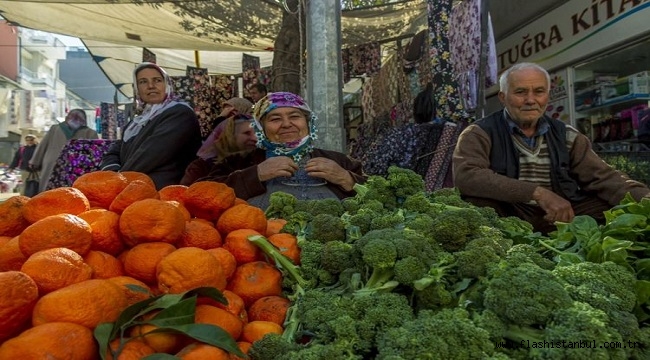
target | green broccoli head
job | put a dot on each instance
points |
(281, 205)
(387, 220)
(522, 253)
(315, 207)
(410, 269)
(444, 334)
(271, 346)
(376, 188)
(605, 286)
(325, 228)
(337, 256)
(525, 294)
(404, 182)
(418, 203)
(475, 261)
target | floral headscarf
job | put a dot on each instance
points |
(294, 149)
(149, 111)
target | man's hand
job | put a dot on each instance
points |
(277, 166)
(556, 207)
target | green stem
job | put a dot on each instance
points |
(281, 261)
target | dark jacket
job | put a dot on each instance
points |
(162, 149)
(504, 158)
(240, 172)
(22, 157)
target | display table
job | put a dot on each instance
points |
(78, 156)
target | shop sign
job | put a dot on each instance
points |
(574, 30)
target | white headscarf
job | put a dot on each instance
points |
(149, 111)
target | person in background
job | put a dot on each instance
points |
(163, 139)
(523, 163)
(22, 157)
(235, 135)
(47, 152)
(231, 107)
(286, 128)
(257, 91)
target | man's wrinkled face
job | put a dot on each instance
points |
(526, 96)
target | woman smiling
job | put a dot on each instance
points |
(286, 129)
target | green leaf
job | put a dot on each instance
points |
(207, 333)
(568, 259)
(102, 334)
(642, 288)
(615, 250)
(129, 314)
(211, 292)
(160, 356)
(176, 314)
(138, 288)
(642, 267)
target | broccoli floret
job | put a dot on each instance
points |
(337, 256)
(387, 220)
(453, 228)
(445, 334)
(271, 346)
(418, 203)
(521, 253)
(281, 205)
(298, 224)
(525, 294)
(605, 286)
(376, 188)
(433, 297)
(450, 197)
(330, 206)
(581, 322)
(404, 182)
(421, 223)
(409, 269)
(325, 228)
(351, 205)
(379, 254)
(361, 219)
(474, 261)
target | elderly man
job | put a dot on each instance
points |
(523, 163)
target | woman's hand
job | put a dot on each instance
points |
(277, 166)
(330, 171)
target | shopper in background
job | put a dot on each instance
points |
(47, 152)
(526, 164)
(233, 136)
(165, 135)
(257, 91)
(231, 107)
(22, 157)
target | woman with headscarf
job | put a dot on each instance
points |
(48, 150)
(163, 139)
(286, 129)
(234, 135)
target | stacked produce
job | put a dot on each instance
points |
(398, 273)
(111, 268)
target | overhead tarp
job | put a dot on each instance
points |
(115, 31)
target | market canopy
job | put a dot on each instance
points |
(115, 31)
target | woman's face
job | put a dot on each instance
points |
(245, 136)
(285, 124)
(151, 86)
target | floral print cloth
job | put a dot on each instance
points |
(111, 119)
(78, 157)
(446, 90)
(364, 59)
(465, 45)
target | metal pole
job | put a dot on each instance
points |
(324, 75)
(480, 91)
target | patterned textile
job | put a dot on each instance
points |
(402, 113)
(441, 161)
(256, 76)
(449, 105)
(381, 98)
(78, 157)
(428, 137)
(206, 94)
(465, 45)
(367, 135)
(367, 102)
(111, 119)
(365, 59)
(148, 56)
(402, 146)
(250, 69)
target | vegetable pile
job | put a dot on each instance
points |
(399, 273)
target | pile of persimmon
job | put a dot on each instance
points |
(68, 256)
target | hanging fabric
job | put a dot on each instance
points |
(465, 45)
(446, 92)
(365, 59)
